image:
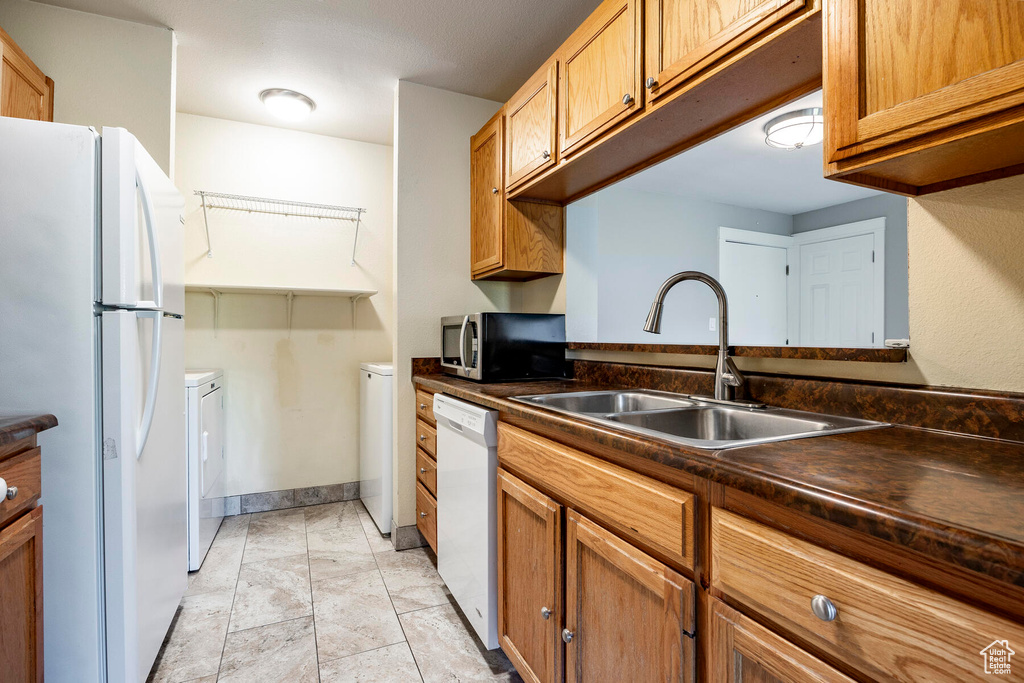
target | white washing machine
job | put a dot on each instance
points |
(376, 389)
(206, 476)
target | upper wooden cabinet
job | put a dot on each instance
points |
(683, 37)
(508, 240)
(599, 74)
(25, 91)
(921, 95)
(487, 195)
(531, 136)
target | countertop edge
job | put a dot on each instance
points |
(17, 427)
(994, 556)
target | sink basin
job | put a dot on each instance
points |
(607, 402)
(690, 421)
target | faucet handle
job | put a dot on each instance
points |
(732, 376)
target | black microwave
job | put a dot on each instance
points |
(502, 347)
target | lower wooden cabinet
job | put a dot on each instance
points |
(21, 599)
(743, 651)
(426, 515)
(529, 580)
(626, 616)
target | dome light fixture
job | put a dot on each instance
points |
(796, 129)
(287, 105)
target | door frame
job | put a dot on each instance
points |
(871, 226)
(768, 239)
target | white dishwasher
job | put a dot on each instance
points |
(467, 470)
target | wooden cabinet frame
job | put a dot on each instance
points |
(21, 607)
(487, 199)
(14, 58)
(668, 75)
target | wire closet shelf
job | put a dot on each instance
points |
(280, 207)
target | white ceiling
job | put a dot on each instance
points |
(347, 54)
(739, 168)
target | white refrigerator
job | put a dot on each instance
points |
(91, 330)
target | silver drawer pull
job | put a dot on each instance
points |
(10, 492)
(423, 470)
(423, 406)
(423, 514)
(545, 612)
(567, 635)
(823, 608)
(423, 437)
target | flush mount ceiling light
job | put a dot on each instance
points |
(287, 105)
(796, 129)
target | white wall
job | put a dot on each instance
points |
(432, 131)
(640, 239)
(293, 405)
(106, 72)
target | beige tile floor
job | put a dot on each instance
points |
(317, 594)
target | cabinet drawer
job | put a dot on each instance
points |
(654, 514)
(426, 471)
(425, 406)
(884, 626)
(21, 472)
(426, 515)
(426, 437)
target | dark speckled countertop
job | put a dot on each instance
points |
(957, 498)
(17, 427)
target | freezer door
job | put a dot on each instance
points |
(143, 257)
(144, 492)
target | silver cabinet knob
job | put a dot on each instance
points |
(494, 190)
(567, 635)
(627, 99)
(650, 83)
(10, 492)
(423, 470)
(423, 514)
(423, 406)
(545, 612)
(423, 437)
(546, 154)
(823, 608)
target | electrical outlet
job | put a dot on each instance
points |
(712, 324)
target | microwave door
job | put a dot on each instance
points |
(451, 344)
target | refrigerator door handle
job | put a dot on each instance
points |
(154, 245)
(154, 379)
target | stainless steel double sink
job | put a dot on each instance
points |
(695, 421)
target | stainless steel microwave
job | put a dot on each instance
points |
(502, 347)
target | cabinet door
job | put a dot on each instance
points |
(487, 197)
(898, 69)
(21, 606)
(599, 74)
(529, 579)
(25, 91)
(530, 132)
(628, 617)
(742, 651)
(684, 37)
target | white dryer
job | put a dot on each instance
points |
(206, 476)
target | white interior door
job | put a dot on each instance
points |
(755, 282)
(838, 293)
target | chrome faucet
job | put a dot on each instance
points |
(727, 375)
